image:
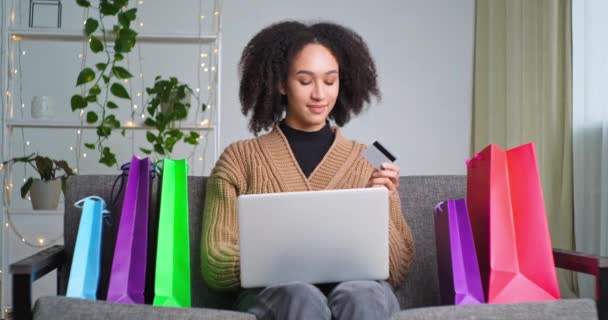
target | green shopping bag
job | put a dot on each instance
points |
(172, 277)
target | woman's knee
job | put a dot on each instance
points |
(353, 297)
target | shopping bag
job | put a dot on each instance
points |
(507, 212)
(172, 278)
(459, 278)
(128, 276)
(86, 261)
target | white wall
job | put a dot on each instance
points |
(424, 54)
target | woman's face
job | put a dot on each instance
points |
(312, 88)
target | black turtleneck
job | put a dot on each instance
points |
(309, 148)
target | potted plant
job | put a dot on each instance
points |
(45, 191)
(168, 103)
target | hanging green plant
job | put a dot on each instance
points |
(104, 80)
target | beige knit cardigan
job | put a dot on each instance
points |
(266, 164)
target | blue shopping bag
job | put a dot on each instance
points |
(86, 262)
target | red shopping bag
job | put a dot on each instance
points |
(507, 212)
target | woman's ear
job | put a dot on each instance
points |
(281, 88)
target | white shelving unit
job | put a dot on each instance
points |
(12, 34)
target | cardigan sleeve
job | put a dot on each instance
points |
(401, 243)
(220, 254)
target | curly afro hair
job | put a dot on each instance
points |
(265, 62)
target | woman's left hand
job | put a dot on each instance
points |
(387, 177)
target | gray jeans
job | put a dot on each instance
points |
(351, 300)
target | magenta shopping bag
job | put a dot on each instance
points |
(459, 277)
(128, 276)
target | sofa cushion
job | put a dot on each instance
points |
(561, 309)
(62, 308)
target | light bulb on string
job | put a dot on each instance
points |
(27, 143)
(41, 241)
(78, 132)
(198, 89)
(84, 155)
(134, 107)
(71, 148)
(204, 55)
(141, 75)
(216, 13)
(23, 52)
(139, 94)
(80, 56)
(206, 69)
(6, 225)
(202, 17)
(23, 106)
(141, 24)
(202, 65)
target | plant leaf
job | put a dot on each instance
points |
(103, 131)
(95, 90)
(150, 136)
(121, 73)
(83, 3)
(131, 14)
(95, 45)
(101, 66)
(107, 8)
(78, 102)
(25, 188)
(107, 157)
(119, 90)
(112, 105)
(118, 56)
(91, 98)
(90, 26)
(123, 20)
(90, 146)
(85, 76)
(145, 151)
(92, 117)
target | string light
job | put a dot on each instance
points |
(23, 52)
(204, 55)
(41, 241)
(202, 17)
(78, 132)
(198, 89)
(23, 106)
(215, 51)
(213, 68)
(206, 69)
(141, 75)
(27, 143)
(200, 158)
(126, 80)
(216, 13)
(141, 24)
(16, 71)
(140, 2)
(204, 123)
(84, 154)
(6, 225)
(139, 94)
(134, 107)
(71, 148)
(208, 87)
(80, 56)
(202, 65)
(143, 116)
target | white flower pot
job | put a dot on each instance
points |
(45, 194)
(42, 107)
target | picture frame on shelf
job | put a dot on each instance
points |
(45, 14)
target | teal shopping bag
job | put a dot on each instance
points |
(86, 261)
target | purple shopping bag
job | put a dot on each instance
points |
(128, 276)
(459, 278)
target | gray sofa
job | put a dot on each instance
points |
(418, 294)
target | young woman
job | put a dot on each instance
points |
(294, 79)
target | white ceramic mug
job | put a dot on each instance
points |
(42, 107)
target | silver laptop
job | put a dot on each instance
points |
(314, 237)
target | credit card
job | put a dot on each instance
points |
(377, 154)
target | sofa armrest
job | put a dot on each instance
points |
(596, 266)
(28, 270)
